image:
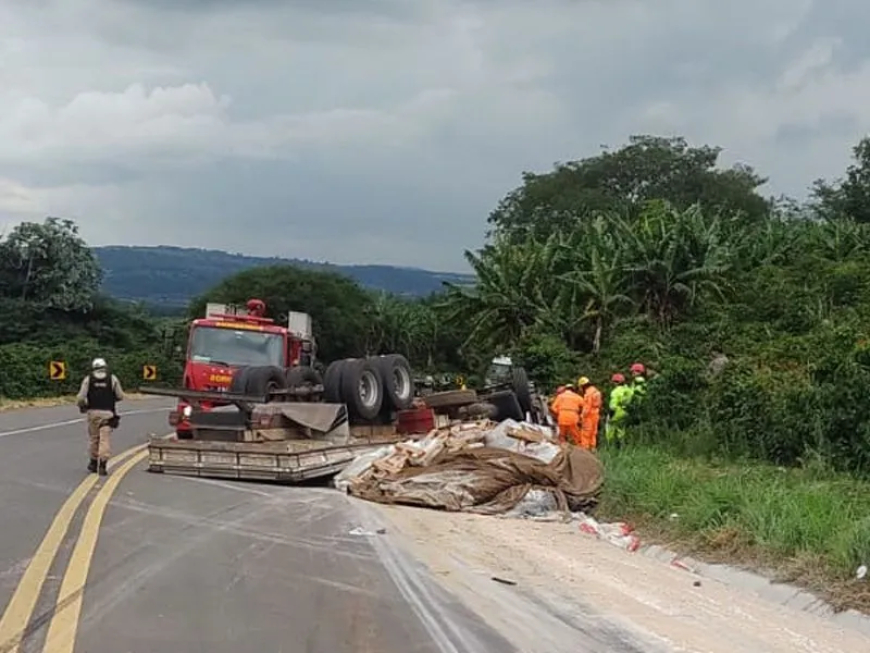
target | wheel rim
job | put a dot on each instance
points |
(402, 381)
(369, 389)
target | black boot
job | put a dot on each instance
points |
(103, 470)
(92, 466)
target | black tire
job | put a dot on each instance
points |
(184, 435)
(362, 388)
(239, 384)
(451, 399)
(332, 382)
(398, 382)
(262, 381)
(302, 376)
(520, 386)
(507, 405)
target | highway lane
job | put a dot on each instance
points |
(43, 457)
(183, 565)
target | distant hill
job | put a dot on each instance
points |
(171, 276)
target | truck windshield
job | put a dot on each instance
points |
(224, 346)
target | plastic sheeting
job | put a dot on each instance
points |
(479, 468)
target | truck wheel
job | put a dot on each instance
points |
(332, 382)
(300, 377)
(398, 381)
(520, 386)
(239, 384)
(263, 381)
(505, 402)
(362, 388)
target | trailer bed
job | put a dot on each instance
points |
(289, 461)
(280, 441)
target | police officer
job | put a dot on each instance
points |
(98, 395)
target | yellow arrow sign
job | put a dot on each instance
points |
(57, 370)
(149, 372)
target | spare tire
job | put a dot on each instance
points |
(362, 388)
(332, 383)
(398, 382)
(520, 386)
(506, 404)
(263, 381)
(239, 384)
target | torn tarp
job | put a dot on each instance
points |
(477, 468)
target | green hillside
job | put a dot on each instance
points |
(171, 276)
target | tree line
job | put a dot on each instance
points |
(752, 310)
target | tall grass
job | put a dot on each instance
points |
(808, 520)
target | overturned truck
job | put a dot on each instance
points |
(241, 352)
(254, 403)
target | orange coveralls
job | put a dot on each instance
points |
(567, 406)
(590, 417)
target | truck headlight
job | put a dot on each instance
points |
(187, 411)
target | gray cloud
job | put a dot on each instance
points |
(386, 130)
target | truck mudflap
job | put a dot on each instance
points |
(288, 461)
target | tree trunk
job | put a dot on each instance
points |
(596, 342)
(27, 276)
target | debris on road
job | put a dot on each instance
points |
(619, 534)
(480, 467)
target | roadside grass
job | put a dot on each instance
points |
(48, 402)
(807, 526)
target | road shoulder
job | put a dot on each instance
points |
(570, 589)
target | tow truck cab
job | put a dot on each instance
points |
(228, 338)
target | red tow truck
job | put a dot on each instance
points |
(241, 352)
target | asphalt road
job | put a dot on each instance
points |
(144, 563)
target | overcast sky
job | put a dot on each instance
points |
(386, 130)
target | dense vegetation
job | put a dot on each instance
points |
(753, 313)
(167, 278)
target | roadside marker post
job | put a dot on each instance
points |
(149, 372)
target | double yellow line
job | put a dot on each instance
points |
(64, 621)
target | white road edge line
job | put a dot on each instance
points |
(69, 422)
(448, 636)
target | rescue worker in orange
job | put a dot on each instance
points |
(591, 414)
(566, 408)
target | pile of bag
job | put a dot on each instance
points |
(479, 467)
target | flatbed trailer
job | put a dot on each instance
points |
(279, 441)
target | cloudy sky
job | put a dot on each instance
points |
(386, 130)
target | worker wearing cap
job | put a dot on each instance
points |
(566, 408)
(591, 414)
(638, 380)
(618, 401)
(98, 395)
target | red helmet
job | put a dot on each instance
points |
(617, 378)
(638, 368)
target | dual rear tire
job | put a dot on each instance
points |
(370, 387)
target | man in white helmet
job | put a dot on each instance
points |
(99, 393)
